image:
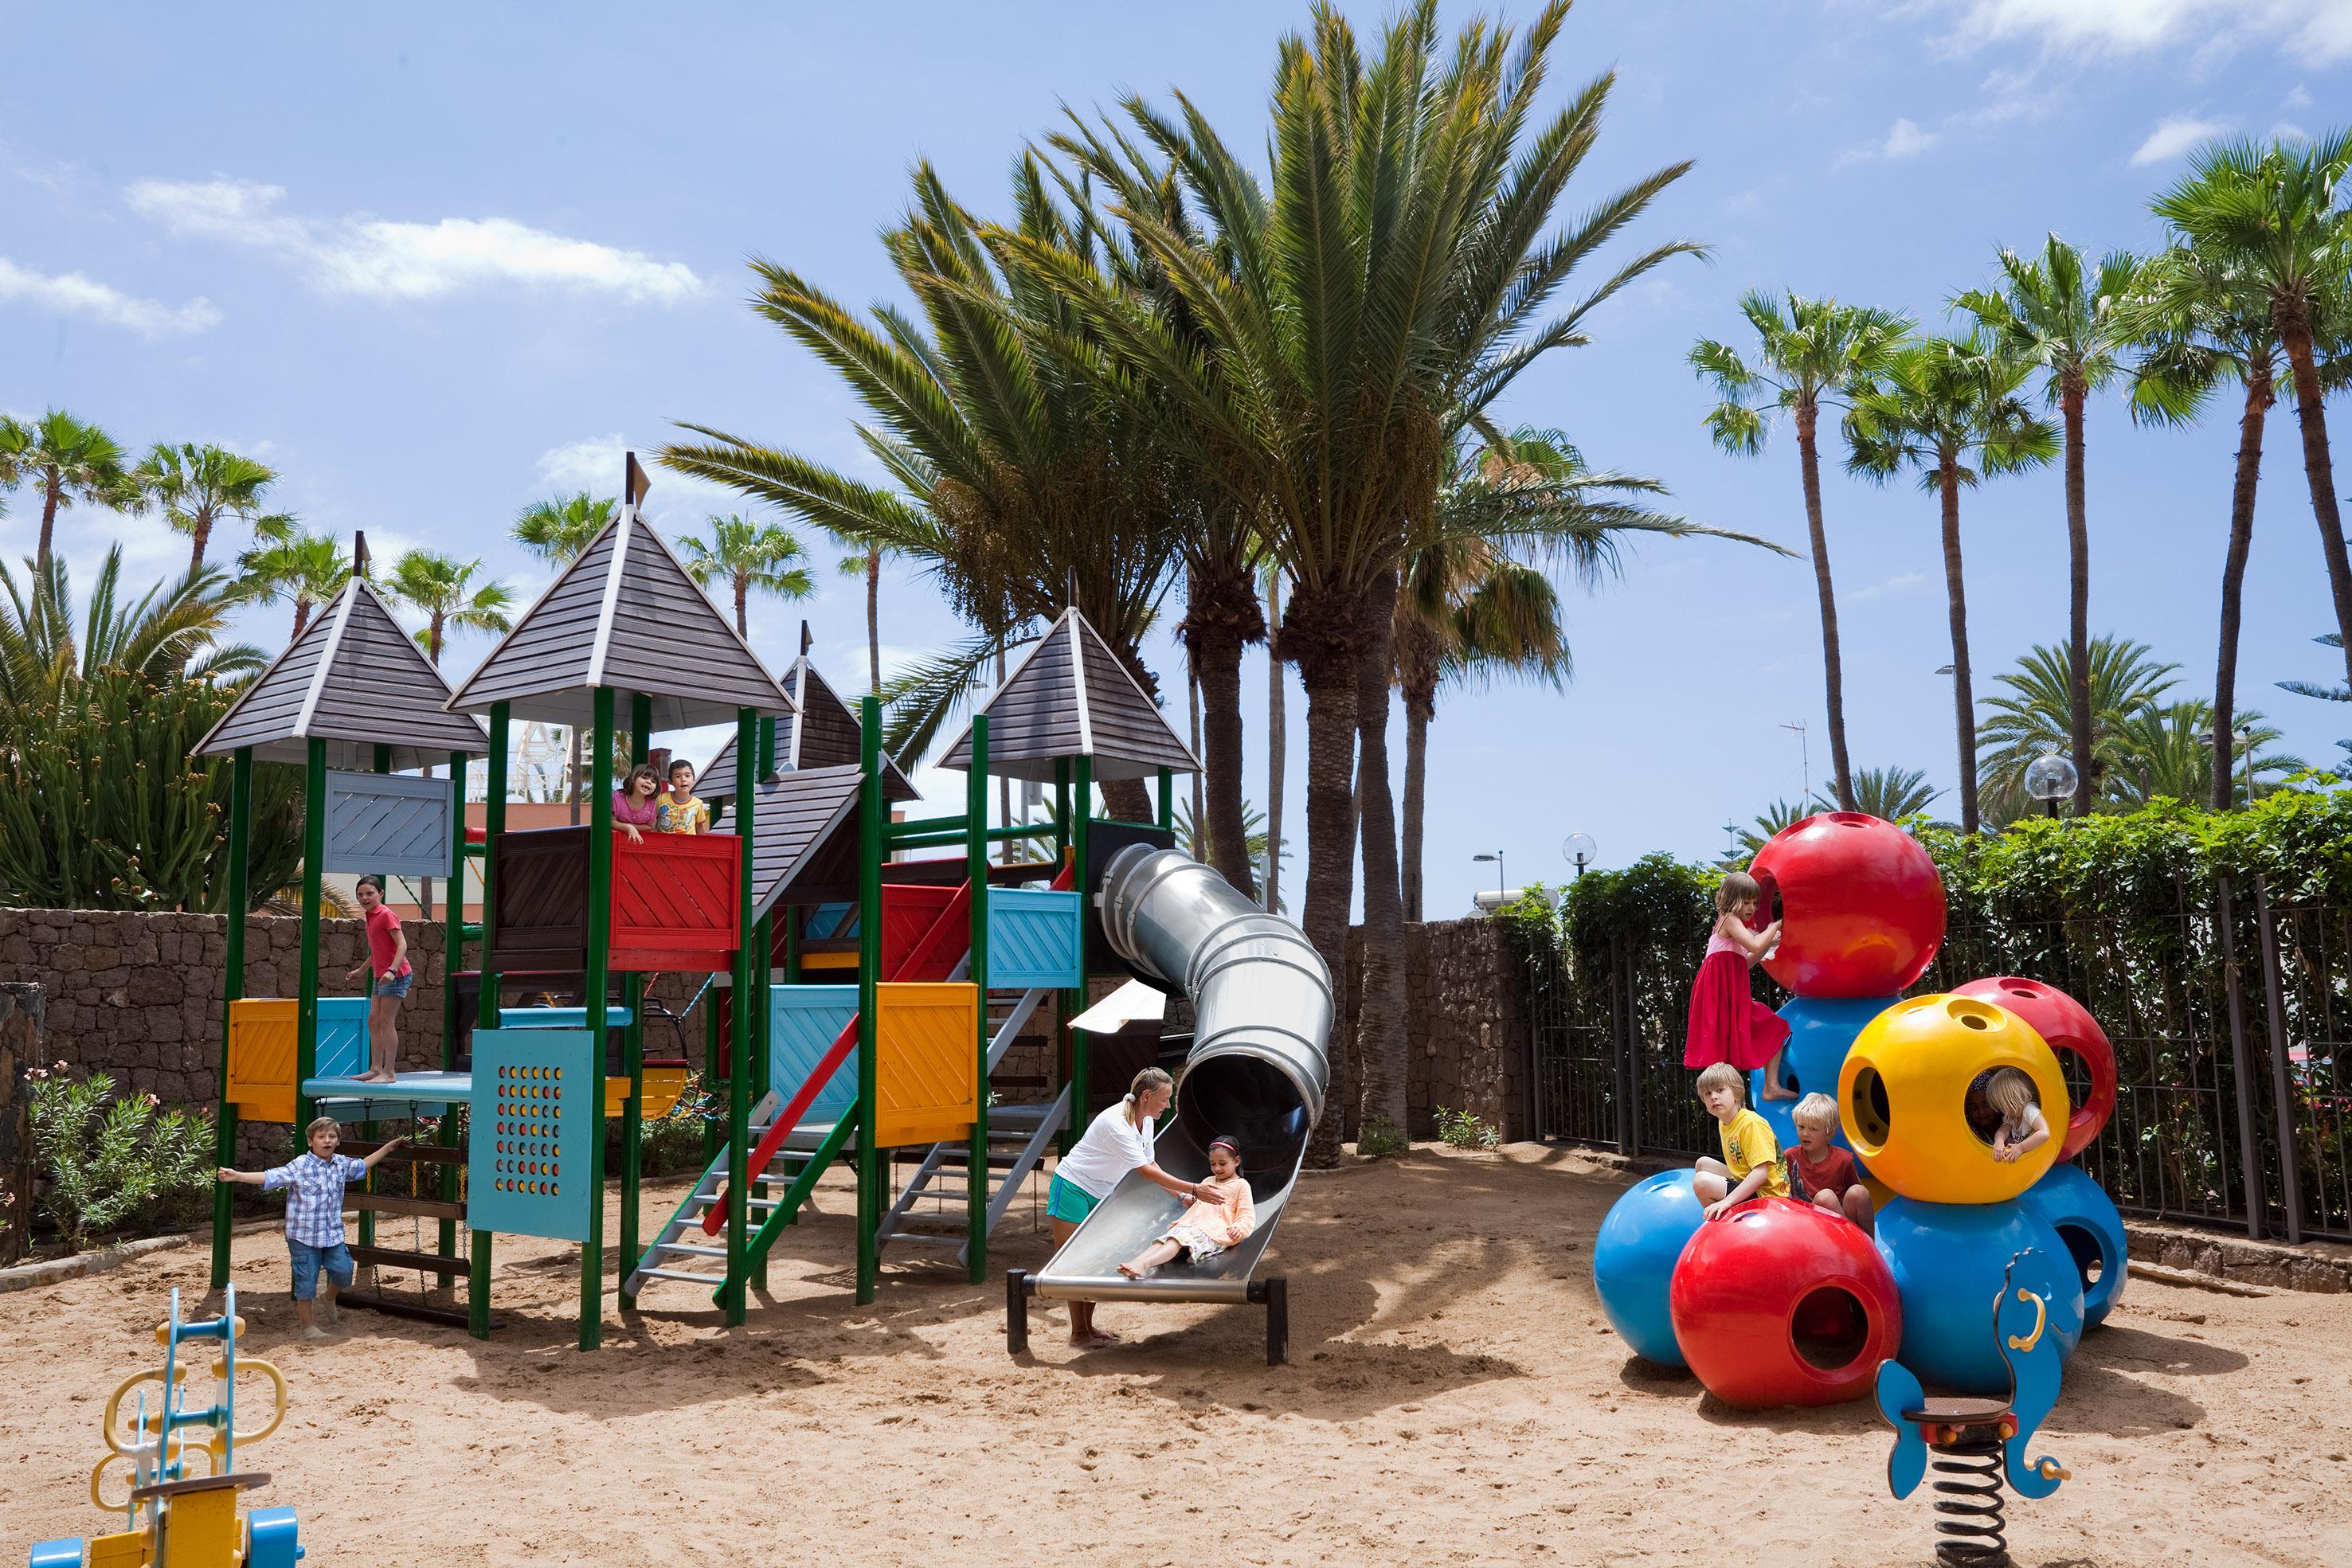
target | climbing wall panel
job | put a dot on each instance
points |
(530, 1123)
(926, 1063)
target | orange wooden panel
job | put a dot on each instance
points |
(926, 1063)
(663, 1087)
(262, 1036)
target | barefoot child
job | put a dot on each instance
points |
(1752, 1155)
(390, 976)
(314, 1214)
(2023, 1128)
(1727, 1023)
(1219, 1217)
(1821, 1174)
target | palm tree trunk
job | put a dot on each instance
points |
(433, 640)
(1417, 667)
(2259, 397)
(204, 534)
(2078, 598)
(2294, 335)
(1203, 835)
(1381, 1024)
(301, 615)
(874, 616)
(51, 493)
(1221, 618)
(1964, 702)
(743, 597)
(1277, 744)
(1319, 636)
(1808, 463)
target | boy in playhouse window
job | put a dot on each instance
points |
(314, 1213)
(678, 810)
(1752, 1155)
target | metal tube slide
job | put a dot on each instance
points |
(1257, 1073)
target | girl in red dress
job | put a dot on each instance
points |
(1727, 1023)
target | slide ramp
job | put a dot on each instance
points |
(1256, 1073)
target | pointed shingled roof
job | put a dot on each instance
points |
(795, 820)
(1070, 696)
(356, 681)
(623, 615)
(825, 733)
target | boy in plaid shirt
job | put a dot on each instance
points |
(314, 1213)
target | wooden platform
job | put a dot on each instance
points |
(349, 1100)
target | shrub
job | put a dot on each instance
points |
(673, 1143)
(1379, 1137)
(105, 1159)
(1466, 1130)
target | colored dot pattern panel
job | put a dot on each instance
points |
(536, 1112)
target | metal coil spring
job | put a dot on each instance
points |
(1971, 1532)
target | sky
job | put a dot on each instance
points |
(433, 263)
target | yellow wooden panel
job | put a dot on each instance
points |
(926, 1063)
(124, 1549)
(828, 961)
(261, 1057)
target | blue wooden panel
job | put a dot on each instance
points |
(803, 1023)
(389, 824)
(536, 1105)
(342, 1037)
(1033, 937)
(832, 920)
(616, 1017)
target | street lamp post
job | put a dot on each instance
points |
(2050, 778)
(1580, 851)
(1502, 879)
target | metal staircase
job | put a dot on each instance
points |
(1018, 1138)
(677, 1248)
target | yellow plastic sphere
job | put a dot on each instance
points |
(1903, 1098)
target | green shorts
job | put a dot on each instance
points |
(1066, 1199)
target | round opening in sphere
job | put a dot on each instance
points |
(1873, 1118)
(2083, 1246)
(1829, 1328)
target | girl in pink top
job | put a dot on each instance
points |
(634, 808)
(1727, 1023)
(1218, 1218)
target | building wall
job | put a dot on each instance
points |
(1466, 1038)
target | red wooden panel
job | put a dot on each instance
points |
(907, 912)
(674, 901)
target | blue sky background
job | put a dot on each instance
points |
(433, 263)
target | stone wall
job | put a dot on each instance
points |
(21, 1050)
(1466, 1040)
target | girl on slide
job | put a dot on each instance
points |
(1220, 1215)
(1727, 1023)
(1115, 1143)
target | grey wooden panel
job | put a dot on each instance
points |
(1127, 725)
(389, 824)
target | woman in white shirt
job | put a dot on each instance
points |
(1115, 1143)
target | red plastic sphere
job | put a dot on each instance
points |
(1861, 903)
(1780, 1302)
(2067, 1025)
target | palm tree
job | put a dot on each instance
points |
(444, 588)
(1277, 740)
(2315, 689)
(866, 563)
(1809, 355)
(2163, 750)
(1354, 313)
(196, 487)
(1948, 408)
(748, 555)
(1891, 793)
(66, 462)
(557, 530)
(2271, 214)
(1012, 473)
(2067, 320)
(295, 566)
(2035, 715)
(2203, 324)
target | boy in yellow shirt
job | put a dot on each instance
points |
(1752, 1155)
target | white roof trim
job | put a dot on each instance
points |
(614, 569)
(1079, 681)
(798, 673)
(348, 597)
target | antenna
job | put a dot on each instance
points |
(1805, 761)
(807, 642)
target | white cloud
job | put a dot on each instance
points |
(2298, 96)
(2288, 130)
(378, 258)
(2316, 32)
(2174, 135)
(77, 294)
(1903, 139)
(1900, 584)
(595, 464)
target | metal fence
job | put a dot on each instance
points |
(2229, 1015)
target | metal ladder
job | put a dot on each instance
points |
(672, 1252)
(1018, 1138)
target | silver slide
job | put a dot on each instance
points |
(1256, 1073)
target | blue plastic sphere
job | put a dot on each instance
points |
(2084, 1216)
(1949, 1261)
(1633, 1261)
(1820, 1029)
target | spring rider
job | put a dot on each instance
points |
(1979, 1441)
(172, 1518)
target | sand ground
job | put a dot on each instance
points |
(1454, 1397)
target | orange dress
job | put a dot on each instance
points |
(1207, 1228)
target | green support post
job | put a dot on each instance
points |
(976, 869)
(633, 1043)
(738, 1074)
(486, 1001)
(453, 958)
(599, 975)
(792, 943)
(240, 841)
(762, 1020)
(1082, 810)
(1168, 799)
(368, 1129)
(872, 814)
(306, 1005)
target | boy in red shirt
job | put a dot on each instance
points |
(1821, 1172)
